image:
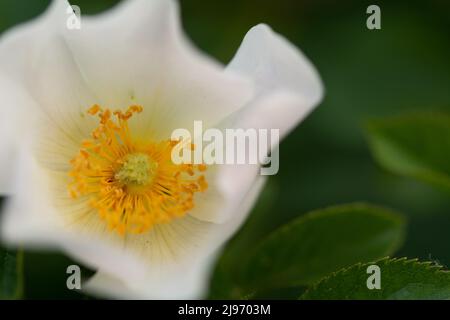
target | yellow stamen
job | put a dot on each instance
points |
(132, 185)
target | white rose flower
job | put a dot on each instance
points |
(85, 151)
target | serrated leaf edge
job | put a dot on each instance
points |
(429, 265)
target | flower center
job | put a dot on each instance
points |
(138, 169)
(131, 181)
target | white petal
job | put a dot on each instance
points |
(287, 89)
(138, 54)
(288, 86)
(133, 54)
(170, 261)
(275, 64)
(16, 119)
(17, 47)
(188, 277)
(35, 58)
(186, 281)
(20, 45)
(32, 218)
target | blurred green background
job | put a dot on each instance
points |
(403, 67)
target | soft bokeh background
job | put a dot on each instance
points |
(403, 67)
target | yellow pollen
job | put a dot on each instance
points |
(137, 169)
(132, 183)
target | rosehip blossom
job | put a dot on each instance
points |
(85, 151)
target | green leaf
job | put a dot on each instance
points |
(400, 279)
(322, 242)
(416, 145)
(11, 274)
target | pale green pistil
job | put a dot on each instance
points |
(138, 169)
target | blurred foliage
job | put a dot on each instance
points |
(11, 274)
(415, 145)
(401, 279)
(309, 248)
(403, 67)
